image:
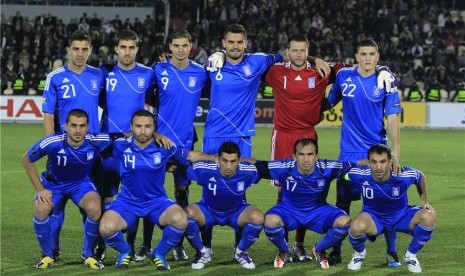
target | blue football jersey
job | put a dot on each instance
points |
(223, 193)
(385, 200)
(66, 90)
(143, 171)
(233, 94)
(66, 164)
(306, 192)
(179, 92)
(364, 106)
(125, 93)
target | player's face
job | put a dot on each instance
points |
(228, 164)
(305, 158)
(180, 48)
(367, 58)
(78, 53)
(298, 52)
(142, 129)
(380, 166)
(126, 51)
(235, 45)
(76, 128)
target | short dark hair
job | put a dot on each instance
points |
(229, 147)
(79, 35)
(142, 113)
(297, 38)
(77, 112)
(367, 42)
(127, 34)
(304, 142)
(379, 149)
(180, 34)
(236, 29)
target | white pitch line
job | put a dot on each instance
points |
(12, 171)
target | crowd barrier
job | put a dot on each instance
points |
(431, 115)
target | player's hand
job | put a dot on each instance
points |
(44, 196)
(162, 140)
(322, 67)
(429, 207)
(387, 79)
(164, 56)
(215, 61)
(396, 167)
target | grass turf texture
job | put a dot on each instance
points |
(440, 154)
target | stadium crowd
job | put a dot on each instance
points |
(423, 41)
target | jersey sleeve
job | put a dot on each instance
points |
(392, 104)
(38, 150)
(262, 168)
(49, 100)
(101, 141)
(335, 94)
(118, 145)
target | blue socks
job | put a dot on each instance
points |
(91, 235)
(250, 233)
(171, 236)
(333, 237)
(276, 236)
(358, 243)
(117, 242)
(193, 234)
(421, 235)
(43, 233)
(391, 241)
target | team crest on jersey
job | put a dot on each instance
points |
(395, 191)
(321, 183)
(90, 155)
(192, 81)
(140, 82)
(93, 84)
(157, 158)
(247, 70)
(311, 82)
(376, 91)
(240, 186)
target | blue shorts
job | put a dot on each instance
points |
(400, 223)
(345, 190)
(61, 193)
(319, 220)
(131, 210)
(213, 217)
(212, 144)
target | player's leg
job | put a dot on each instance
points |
(197, 216)
(250, 220)
(173, 219)
(335, 225)
(360, 227)
(57, 219)
(42, 229)
(275, 231)
(90, 202)
(113, 221)
(181, 194)
(421, 227)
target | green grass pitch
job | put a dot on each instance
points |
(440, 154)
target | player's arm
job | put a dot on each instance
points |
(43, 195)
(196, 156)
(162, 140)
(423, 196)
(321, 66)
(49, 124)
(394, 135)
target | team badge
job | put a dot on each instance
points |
(192, 81)
(247, 70)
(157, 158)
(140, 82)
(376, 91)
(93, 84)
(90, 155)
(321, 183)
(311, 82)
(240, 186)
(395, 191)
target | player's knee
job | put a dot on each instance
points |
(358, 226)
(256, 217)
(426, 217)
(42, 210)
(107, 227)
(342, 221)
(178, 219)
(273, 221)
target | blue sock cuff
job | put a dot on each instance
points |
(255, 226)
(191, 220)
(273, 229)
(88, 219)
(342, 229)
(38, 221)
(106, 205)
(177, 230)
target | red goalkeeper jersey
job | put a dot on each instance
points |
(298, 95)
